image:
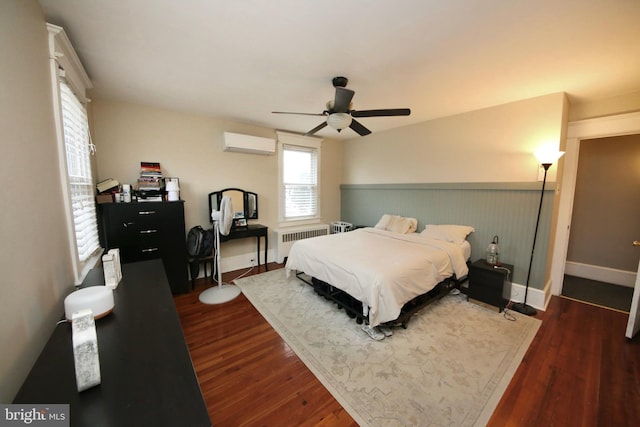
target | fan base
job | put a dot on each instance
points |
(219, 294)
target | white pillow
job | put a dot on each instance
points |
(384, 222)
(447, 232)
(397, 224)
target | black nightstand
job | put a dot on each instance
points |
(490, 284)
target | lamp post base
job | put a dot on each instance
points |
(523, 308)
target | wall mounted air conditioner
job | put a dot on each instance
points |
(248, 144)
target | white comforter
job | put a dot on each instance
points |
(382, 269)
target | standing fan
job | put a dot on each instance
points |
(222, 220)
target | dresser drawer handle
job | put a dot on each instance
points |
(146, 212)
(148, 231)
(126, 224)
(150, 250)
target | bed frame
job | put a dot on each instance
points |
(354, 308)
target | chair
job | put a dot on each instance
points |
(194, 267)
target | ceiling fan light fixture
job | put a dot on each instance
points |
(339, 112)
(339, 121)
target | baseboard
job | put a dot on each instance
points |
(601, 274)
(536, 298)
(239, 262)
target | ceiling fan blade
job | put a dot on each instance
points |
(357, 126)
(343, 100)
(304, 114)
(381, 113)
(316, 129)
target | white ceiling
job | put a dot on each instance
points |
(243, 59)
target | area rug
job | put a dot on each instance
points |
(449, 367)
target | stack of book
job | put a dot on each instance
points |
(150, 182)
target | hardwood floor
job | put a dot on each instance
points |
(249, 376)
(598, 293)
(579, 370)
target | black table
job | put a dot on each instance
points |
(490, 284)
(251, 230)
(147, 375)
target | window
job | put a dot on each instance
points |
(77, 148)
(300, 181)
(299, 161)
(69, 82)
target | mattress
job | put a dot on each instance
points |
(382, 269)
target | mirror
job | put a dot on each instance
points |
(245, 204)
(237, 202)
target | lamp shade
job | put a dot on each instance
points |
(548, 157)
(339, 120)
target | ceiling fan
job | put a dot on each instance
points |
(340, 115)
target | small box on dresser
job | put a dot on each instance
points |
(149, 230)
(490, 284)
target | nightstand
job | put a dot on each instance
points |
(490, 284)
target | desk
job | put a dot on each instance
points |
(251, 230)
(147, 375)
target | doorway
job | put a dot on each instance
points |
(601, 262)
(624, 124)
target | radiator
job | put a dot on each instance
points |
(286, 237)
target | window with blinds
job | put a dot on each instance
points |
(78, 149)
(300, 182)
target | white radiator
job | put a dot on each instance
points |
(285, 237)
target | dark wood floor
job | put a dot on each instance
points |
(598, 293)
(579, 370)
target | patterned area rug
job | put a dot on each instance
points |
(449, 367)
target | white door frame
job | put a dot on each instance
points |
(623, 124)
(633, 324)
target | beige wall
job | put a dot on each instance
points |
(34, 253)
(190, 147)
(490, 145)
(604, 107)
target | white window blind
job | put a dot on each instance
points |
(78, 148)
(300, 181)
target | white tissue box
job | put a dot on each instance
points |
(112, 268)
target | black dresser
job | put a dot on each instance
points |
(148, 230)
(147, 376)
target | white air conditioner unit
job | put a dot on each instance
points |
(248, 144)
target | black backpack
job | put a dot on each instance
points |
(199, 242)
(199, 245)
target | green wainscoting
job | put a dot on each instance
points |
(506, 209)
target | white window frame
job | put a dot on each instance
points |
(307, 142)
(65, 64)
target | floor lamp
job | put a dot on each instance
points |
(546, 159)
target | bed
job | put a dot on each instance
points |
(384, 270)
